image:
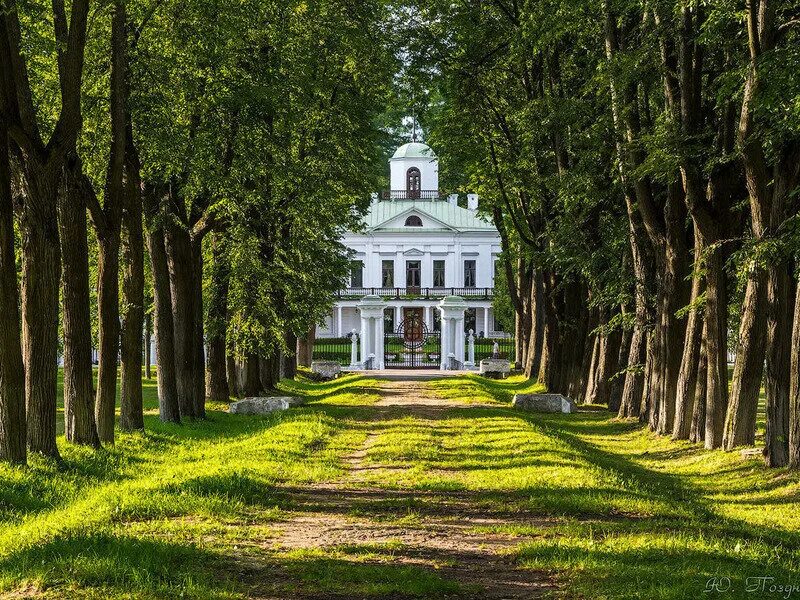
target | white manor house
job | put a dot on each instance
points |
(418, 248)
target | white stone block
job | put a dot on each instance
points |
(495, 365)
(549, 403)
(263, 405)
(326, 369)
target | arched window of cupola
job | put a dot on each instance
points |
(413, 221)
(413, 182)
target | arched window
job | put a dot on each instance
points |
(413, 221)
(413, 182)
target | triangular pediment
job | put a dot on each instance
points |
(430, 222)
(414, 252)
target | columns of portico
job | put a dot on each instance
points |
(452, 310)
(371, 309)
(486, 321)
(339, 331)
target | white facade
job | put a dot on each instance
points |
(417, 248)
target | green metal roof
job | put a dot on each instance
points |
(414, 150)
(450, 216)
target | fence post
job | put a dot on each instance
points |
(354, 348)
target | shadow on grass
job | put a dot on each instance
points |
(117, 565)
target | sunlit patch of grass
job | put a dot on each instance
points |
(472, 387)
(353, 568)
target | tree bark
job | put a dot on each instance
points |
(716, 348)
(252, 380)
(780, 301)
(169, 410)
(199, 357)
(131, 409)
(108, 334)
(697, 432)
(305, 347)
(12, 371)
(179, 255)
(289, 365)
(232, 373)
(740, 421)
(794, 387)
(148, 337)
(79, 423)
(218, 385)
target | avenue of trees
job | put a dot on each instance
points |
(182, 168)
(641, 160)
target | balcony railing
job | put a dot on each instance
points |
(411, 195)
(421, 293)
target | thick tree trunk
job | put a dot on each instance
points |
(740, 421)
(697, 432)
(41, 271)
(131, 416)
(79, 423)
(148, 337)
(534, 355)
(252, 377)
(199, 358)
(216, 324)
(716, 348)
(12, 371)
(617, 378)
(305, 347)
(108, 335)
(168, 407)
(591, 380)
(794, 387)
(179, 255)
(289, 366)
(687, 378)
(780, 302)
(232, 373)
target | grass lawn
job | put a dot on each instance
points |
(606, 508)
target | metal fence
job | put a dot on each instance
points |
(333, 349)
(485, 348)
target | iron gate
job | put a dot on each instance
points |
(412, 345)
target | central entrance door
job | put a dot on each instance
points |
(413, 278)
(412, 345)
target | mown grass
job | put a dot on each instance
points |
(608, 508)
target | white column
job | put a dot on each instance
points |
(339, 332)
(378, 347)
(452, 310)
(486, 321)
(471, 349)
(398, 316)
(428, 316)
(354, 348)
(364, 337)
(445, 350)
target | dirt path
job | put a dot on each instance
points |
(429, 530)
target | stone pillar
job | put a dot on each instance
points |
(371, 309)
(398, 317)
(452, 310)
(428, 316)
(486, 321)
(470, 349)
(354, 348)
(339, 332)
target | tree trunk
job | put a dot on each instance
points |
(534, 355)
(148, 337)
(12, 371)
(216, 324)
(617, 378)
(232, 374)
(252, 379)
(199, 358)
(289, 366)
(794, 387)
(179, 255)
(716, 348)
(740, 421)
(168, 407)
(687, 378)
(131, 416)
(41, 271)
(697, 432)
(108, 334)
(79, 423)
(305, 347)
(780, 302)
